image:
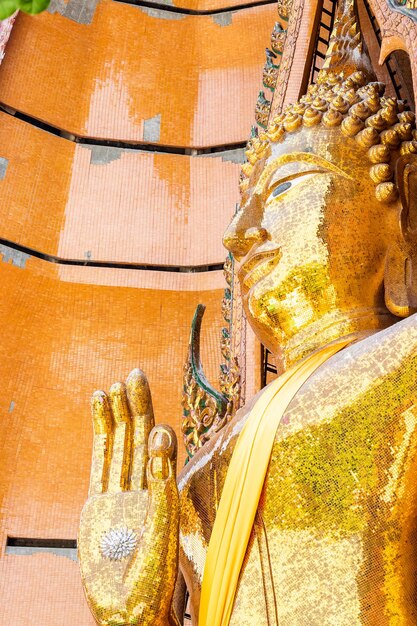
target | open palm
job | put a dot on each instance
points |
(128, 538)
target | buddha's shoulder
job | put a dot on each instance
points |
(377, 373)
(377, 355)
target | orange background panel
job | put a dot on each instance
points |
(42, 589)
(64, 340)
(104, 79)
(143, 279)
(159, 209)
(35, 189)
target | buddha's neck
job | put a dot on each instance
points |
(331, 327)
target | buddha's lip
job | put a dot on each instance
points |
(258, 266)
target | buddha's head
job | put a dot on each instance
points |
(327, 230)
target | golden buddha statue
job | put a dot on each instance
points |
(316, 523)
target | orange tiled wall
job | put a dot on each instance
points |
(105, 79)
(161, 209)
(64, 339)
(42, 589)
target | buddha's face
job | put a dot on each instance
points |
(311, 238)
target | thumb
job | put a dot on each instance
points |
(151, 575)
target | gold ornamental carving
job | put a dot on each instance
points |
(206, 410)
(270, 74)
(284, 8)
(203, 405)
(278, 38)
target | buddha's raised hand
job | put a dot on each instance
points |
(128, 538)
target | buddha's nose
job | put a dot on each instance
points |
(240, 240)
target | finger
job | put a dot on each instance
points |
(158, 545)
(103, 443)
(122, 443)
(141, 410)
(162, 446)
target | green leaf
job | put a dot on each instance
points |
(7, 8)
(32, 6)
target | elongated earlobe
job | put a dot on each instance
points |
(396, 279)
(401, 265)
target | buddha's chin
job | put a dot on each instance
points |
(277, 321)
(267, 328)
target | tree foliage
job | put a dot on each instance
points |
(8, 7)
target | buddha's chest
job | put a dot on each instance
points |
(335, 529)
(335, 535)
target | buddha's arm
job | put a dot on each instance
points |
(128, 538)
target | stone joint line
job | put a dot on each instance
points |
(18, 255)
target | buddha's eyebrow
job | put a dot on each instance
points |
(294, 157)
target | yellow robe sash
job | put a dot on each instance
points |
(243, 486)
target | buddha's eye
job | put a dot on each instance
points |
(289, 184)
(281, 188)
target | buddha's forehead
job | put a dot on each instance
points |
(327, 143)
(316, 145)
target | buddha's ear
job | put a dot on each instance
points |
(401, 267)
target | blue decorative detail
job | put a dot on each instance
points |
(403, 6)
